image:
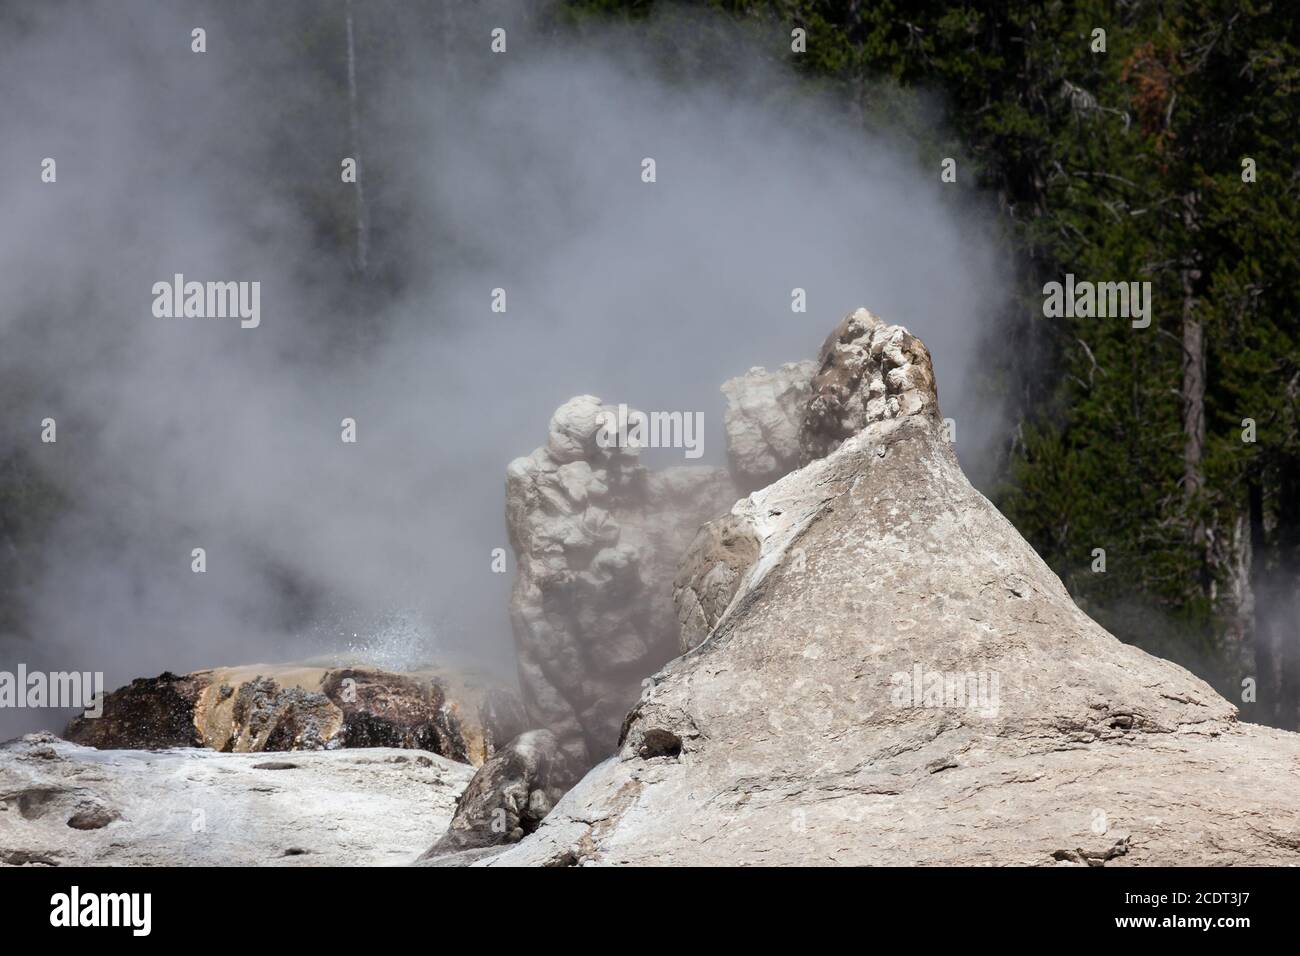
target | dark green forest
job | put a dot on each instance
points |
(1165, 151)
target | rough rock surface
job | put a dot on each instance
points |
(710, 572)
(596, 536)
(150, 712)
(867, 371)
(289, 707)
(509, 796)
(65, 805)
(898, 678)
(764, 413)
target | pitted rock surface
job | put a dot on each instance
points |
(66, 805)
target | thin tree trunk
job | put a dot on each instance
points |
(1193, 395)
(1193, 401)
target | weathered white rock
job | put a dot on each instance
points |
(66, 805)
(895, 677)
(867, 371)
(764, 413)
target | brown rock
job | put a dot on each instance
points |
(289, 707)
(148, 713)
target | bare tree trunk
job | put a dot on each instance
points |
(1193, 400)
(1193, 395)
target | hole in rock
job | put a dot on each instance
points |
(660, 743)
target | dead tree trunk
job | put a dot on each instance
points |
(1193, 400)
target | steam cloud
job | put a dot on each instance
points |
(519, 171)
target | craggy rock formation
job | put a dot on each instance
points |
(867, 372)
(764, 412)
(65, 805)
(302, 707)
(597, 537)
(509, 795)
(899, 679)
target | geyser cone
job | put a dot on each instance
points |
(898, 678)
